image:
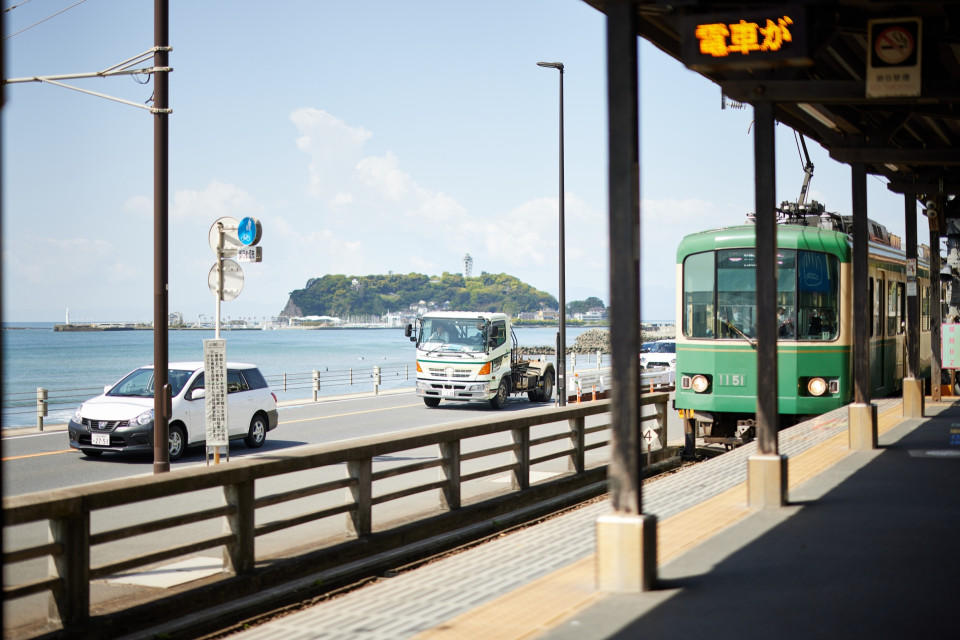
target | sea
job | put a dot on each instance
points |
(75, 366)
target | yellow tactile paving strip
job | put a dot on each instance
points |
(541, 605)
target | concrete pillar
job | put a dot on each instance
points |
(863, 426)
(913, 400)
(766, 481)
(626, 552)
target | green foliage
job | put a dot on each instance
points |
(335, 294)
(582, 306)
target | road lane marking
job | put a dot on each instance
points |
(339, 415)
(352, 413)
(36, 455)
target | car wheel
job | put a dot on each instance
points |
(500, 399)
(546, 392)
(432, 402)
(258, 432)
(91, 453)
(177, 442)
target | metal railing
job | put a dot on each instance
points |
(349, 479)
(311, 383)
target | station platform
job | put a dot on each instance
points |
(866, 547)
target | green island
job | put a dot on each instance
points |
(375, 295)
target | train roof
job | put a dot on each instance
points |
(788, 237)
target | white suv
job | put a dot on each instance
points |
(121, 419)
(662, 355)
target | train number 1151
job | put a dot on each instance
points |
(731, 380)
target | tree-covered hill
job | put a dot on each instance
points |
(340, 295)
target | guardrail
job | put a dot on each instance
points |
(309, 383)
(80, 523)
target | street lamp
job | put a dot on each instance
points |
(562, 340)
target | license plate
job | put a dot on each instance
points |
(100, 439)
(447, 393)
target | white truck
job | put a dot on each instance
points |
(470, 356)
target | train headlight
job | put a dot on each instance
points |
(699, 383)
(817, 386)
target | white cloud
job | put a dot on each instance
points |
(335, 149)
(215, 201)
(382, 174)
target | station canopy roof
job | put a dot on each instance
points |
(873, 82)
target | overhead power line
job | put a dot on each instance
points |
(39, 21)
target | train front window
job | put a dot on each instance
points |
(818, 295)
(719, 295)
(698, 307)
(736, 293)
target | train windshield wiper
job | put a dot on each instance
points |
(753, 343)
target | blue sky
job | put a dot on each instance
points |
(367, 136)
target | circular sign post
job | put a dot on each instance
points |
(232, 280)
(249, 231)
(225, 228)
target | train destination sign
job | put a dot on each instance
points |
(775, 38)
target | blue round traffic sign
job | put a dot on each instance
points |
(249, 231)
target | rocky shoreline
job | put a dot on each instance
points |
(589, 341)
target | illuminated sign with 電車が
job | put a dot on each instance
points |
(741, 41)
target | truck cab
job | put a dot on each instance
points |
(467, 356)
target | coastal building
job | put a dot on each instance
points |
(393, 319)
(467, 266)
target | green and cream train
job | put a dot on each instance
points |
(716, 317)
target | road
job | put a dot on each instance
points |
(44, 461)
(36, 462)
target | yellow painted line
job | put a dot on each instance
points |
(339, 415)
(352, 413)
(545, 603)
(37, 455)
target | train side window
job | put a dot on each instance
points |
(893, 306)
(877, 329)
(873, 306)
(902, 310)
(699, 317)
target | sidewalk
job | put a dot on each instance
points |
(863, 550)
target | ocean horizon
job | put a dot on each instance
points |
(75, 366)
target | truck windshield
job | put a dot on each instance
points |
(453, 334)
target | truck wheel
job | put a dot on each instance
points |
(432, 402)
(546, 392)
(500, 399)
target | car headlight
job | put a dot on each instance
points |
(143, 418)
(817, 386)
(77, 417)
(478, 387)
(699, 383)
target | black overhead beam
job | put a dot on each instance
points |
(845, 92)
(883, 155)
(919, 188)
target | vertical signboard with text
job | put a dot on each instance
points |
(215, 383)
(950, 346)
